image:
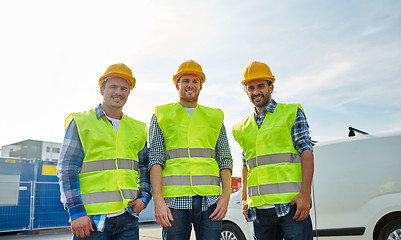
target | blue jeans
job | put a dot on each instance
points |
(268, 226)
(205, 229)
(121, 227)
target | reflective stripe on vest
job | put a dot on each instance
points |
(274, 159)
(190, 168)
(186, 180)
(109, 196)
(108, 164)
(288, 187)
(194, 152)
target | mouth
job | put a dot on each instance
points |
(257, 97)
(117, 97)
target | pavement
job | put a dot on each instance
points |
(147, 231)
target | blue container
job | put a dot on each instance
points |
(49, 211)
(15, 218)
(39, 203)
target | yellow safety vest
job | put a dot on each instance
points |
(275, 173)
(109, 173)
(190, 168)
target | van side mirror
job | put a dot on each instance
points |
(352, 131)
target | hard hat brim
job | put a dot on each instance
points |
(131, 80)
(244, 82)
(200, 75)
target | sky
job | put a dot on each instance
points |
(341, 60)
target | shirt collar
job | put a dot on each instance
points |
(269, 108)
(99, 112)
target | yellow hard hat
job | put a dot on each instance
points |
(118, 70)
(189, 67)
(257, 70)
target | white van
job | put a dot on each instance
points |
(356, 191)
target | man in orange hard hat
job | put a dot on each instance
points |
(104, 179)
(189, 157)
(277, 146)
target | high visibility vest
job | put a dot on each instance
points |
(109, 173)
(275, 173)
(190, 168)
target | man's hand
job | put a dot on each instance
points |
(222, 204)
(221, 208)
(81, 227)
(163, 214)
(302, 202)
(244, 204)
(138, 205)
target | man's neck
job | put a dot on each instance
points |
(187, 104)
(115, 113)
(259, 110)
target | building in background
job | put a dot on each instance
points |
(32, 149)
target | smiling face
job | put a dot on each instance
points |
(259, 92)
(188, 87)
(115, 92)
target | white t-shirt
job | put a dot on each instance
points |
(115, 123)
(190, 111)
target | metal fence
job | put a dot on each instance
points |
(38, 207)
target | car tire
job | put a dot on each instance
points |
(391, 230)
(231, 232)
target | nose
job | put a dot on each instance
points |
(255, 91)
(191, 85)
(118, 91)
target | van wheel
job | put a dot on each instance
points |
(391, 231)
(231, 232)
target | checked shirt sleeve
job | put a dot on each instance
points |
(223, 153)
(70, 160)
(157, 147)
(300, 133)
(145, 193)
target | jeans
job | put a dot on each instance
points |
(124, 226)
(205, 229)
(269, 227)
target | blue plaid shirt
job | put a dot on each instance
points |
(300, 138)
(157, 155)
(71, 158)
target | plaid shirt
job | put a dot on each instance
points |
(71, 158)
(157, 155)
(300, 137)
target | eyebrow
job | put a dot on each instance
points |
(115, 85)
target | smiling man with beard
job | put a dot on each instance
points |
(103, 166)
(189, 157)
(277, 162)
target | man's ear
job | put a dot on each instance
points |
(101, 90)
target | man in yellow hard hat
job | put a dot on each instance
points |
(277, 162)
(189, 158)
(103, 165)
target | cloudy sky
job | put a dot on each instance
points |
(340, 59)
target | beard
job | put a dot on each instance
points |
(264, 102)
